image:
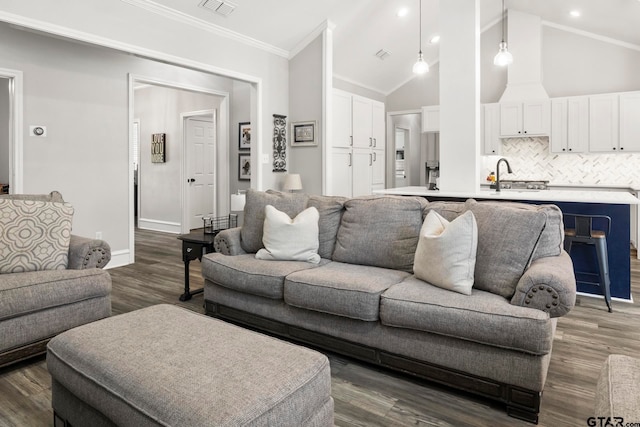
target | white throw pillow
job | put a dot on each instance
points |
(446, 253)
(290, 240)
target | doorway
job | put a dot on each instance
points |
(192, 120)
(402, 139)
(11, 168)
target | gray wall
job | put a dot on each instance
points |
(240, 113)
(305, 104)
(5, 110)
(159, 109)
(80, 92)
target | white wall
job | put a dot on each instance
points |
(159, 109)
(350, 87)
(240, 113)
(5, 108)
(416, 93)
(305, 104)
(84, 104)
(412, 150)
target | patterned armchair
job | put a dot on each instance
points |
(50, 280)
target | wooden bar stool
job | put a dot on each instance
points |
(584, 233)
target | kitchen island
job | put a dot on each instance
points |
(615, 204)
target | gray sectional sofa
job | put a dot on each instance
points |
(363, 299)
(37, 305)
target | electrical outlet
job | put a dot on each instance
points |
(99, 235)
(265, 159)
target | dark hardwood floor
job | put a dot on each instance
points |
(365, 396)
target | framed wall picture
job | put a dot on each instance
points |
(303, 134)
(244, 136)
(244, 167)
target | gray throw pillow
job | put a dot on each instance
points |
(252, 228)
(507, 238)
(330, 209)
(380, 231)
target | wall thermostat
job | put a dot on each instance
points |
(38, 130)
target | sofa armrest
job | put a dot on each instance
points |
(88, 253)
(227, 242)
(549, 284)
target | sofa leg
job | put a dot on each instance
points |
(58, 421)
(521, 414)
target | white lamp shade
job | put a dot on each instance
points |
(292, 182)
(237, 202)
(421, 66)
(503, 57)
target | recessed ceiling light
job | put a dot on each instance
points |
(575, 13)
(434, 40)
(402, 12)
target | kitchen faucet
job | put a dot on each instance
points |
(498, 172)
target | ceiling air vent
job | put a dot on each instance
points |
(223, 8)
(383, 54)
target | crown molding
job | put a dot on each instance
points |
(201, 24)
(591, 35)
(353, 82)
(326, 25)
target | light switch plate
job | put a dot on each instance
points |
(37, 130)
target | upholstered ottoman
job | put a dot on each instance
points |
(168, 366)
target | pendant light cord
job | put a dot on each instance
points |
(420, 27)
(504, 20)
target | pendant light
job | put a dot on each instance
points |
(504, 57)
(420, 67)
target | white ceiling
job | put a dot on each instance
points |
(362, 27)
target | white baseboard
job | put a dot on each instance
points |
(156, 225)
(584, 294)
(119, 259)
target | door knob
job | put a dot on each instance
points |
(191, 180)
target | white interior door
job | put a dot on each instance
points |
(200, 137)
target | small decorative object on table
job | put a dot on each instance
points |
(217, 224)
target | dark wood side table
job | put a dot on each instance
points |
(194, 245)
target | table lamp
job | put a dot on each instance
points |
(292, 182)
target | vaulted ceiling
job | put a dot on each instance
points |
(363, 27)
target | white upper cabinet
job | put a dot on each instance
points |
(341, 119)
(604, 126)
(431, 118)
(530, 118)
(362, 119)
(630, 121)
(569, 125)
(491, 142)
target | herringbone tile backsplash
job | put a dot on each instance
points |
(530, 158)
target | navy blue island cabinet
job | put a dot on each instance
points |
(616, 205)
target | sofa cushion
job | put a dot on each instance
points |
(552, 237)
(287, 239)
(341, 289)
(330, 209)
(507, 238)
(446, 253)
(380, 231)
(483, 317)
(247, 274)
(448, 210)
(252, 228)
(54, 196)
(35, 235)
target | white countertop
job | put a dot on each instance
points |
(608, 197)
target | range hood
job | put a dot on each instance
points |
(524, 40)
